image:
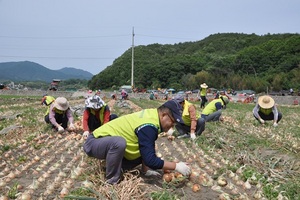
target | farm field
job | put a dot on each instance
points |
(234, 159)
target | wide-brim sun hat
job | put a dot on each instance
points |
(61, 103)
(94, 102)
(203, 85)
(266, 102)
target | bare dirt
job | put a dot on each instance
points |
(52, 166)
(204, 169)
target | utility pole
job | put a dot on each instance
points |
(132, 59)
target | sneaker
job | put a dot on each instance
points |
(183, 136)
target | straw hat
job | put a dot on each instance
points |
(203, 85)
(266, 102)
(61, 103)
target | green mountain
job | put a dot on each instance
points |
(223, 60)
(30, 71)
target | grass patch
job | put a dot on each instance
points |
(163, 195)
(81, 193)
(147, 103)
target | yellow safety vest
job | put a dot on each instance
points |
(211, 107)
(127, 126)
(203, 91)
(265, 111)
(186, 115)
(101, 113)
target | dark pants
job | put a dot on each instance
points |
(184, 129)
(94, 123)
(60, 119)
(268, 117)
(111, 149)
(203, 101)
(215, 116)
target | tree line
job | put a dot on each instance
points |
(223, 60)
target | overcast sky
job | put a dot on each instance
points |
(91, 34)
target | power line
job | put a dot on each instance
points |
(54, 57)
(165, 37)
(67, 37)
(91, 37)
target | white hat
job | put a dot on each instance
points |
(203, 85)
(266, 102)
(94, 102)
(61, 103)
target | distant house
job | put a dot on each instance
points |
(54, 84)
(127, 88)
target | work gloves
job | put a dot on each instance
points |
(86, 134)
(193, 136)
(262, 121)
(170, 132)
(275, 124)
(72, 127)
(60, 129)
(182, 168)
(151, 172)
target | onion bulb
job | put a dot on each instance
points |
(2, 183)
(87, 184)
(6, 169)
(25, 196)
(7, 180)
(11, 175)
(17, 173)
(178, 175)
(230, 174)
(258, 194)
(78, 170)
(196, 187)
(46, 175)
(247, 185)
(222, 181)
(64, 192)
(167, 177)
(34, 185)
(41, 179)
(224, 196)
(62, 174)
(37, 158)
(4, 198)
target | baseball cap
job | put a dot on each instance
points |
(225, 99)
(176, 109)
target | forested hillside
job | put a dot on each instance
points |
(227, 60)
